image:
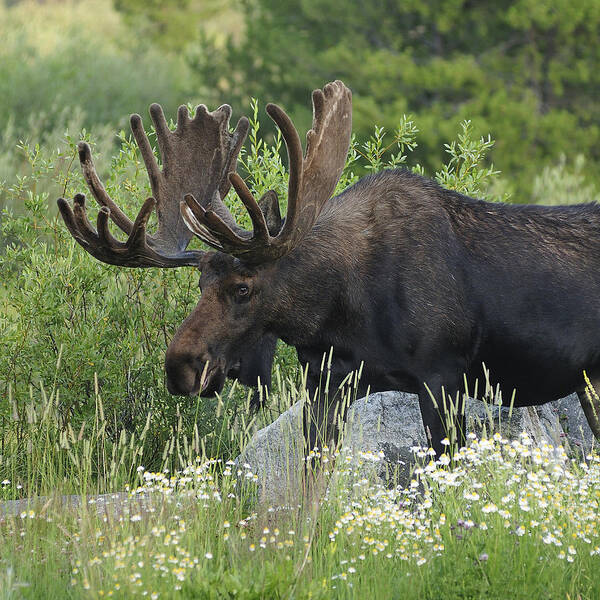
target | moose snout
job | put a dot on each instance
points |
(190, 375)
(183, 373)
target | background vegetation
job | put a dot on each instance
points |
(524, 71)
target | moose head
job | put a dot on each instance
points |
(231, 332)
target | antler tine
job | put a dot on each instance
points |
(183, 117)
(261, 231)
(237, 140)
(141, 139)
(138, 233)
(97, 189)
(72, 223)
(101, 244)
(312, 181)
(193, 215)
(218, 233)
(294, 151)
(163, 133)
(105, 237)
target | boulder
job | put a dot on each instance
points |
(381, 432)
(573, 423)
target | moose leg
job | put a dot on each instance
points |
(323, 422)
(440, 419)
(324, 415)
(591, 406)
(255, 369)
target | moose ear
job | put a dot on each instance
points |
(269, 205)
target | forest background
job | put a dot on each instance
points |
(524, 71)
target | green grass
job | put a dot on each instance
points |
(507, 521)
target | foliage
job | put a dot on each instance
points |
(57, 300)
(524, 70)
(173, 23)
(463, 172)
(99, 78)
(564, 183)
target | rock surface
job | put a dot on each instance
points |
(390, 423)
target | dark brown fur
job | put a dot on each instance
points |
(422, 285)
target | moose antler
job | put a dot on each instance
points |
(196, 158)
(311, 183)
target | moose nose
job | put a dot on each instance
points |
(183, 377)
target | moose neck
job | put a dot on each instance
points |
(310, 304)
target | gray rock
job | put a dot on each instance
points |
(275, 455)
(542, 426)
(574, 424)
(389, 424)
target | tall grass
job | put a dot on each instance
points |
(508, 519)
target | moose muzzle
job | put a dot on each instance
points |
(189, 376)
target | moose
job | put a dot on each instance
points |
(418, 284)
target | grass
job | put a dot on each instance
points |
(508, 520)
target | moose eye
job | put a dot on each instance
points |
(242, 290)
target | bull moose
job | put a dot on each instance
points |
(418, 284)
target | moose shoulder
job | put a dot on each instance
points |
(418, 284)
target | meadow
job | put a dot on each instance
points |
(507, 520)
(83, 406)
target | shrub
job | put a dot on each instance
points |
(564, 183)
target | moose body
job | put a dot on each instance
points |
(422, 286)
(417, 284)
